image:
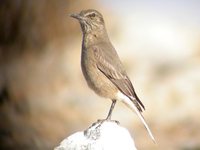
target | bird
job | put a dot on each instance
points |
(102, 67)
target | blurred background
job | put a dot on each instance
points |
(44, 97)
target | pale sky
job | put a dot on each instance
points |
(179, 9)
(156, 27)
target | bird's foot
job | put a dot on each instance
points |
(101, 121)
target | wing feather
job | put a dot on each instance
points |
(114, 71)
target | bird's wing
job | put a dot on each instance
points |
(110, 65)
(113, 70)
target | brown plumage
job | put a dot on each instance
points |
(101, 65)
(113, 70)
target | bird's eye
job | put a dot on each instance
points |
(92, 15)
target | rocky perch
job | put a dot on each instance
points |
(106, 135)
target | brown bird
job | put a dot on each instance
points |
(101, 65)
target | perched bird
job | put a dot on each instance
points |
(101, 65)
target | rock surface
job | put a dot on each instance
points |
(100, 136)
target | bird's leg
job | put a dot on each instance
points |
(111, 109)
(108, 118)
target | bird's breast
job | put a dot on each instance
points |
(96, 80)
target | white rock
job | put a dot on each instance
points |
(100, 136)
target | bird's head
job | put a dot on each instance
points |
(90, 20)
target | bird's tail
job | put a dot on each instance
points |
(131, 105)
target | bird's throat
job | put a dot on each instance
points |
(92, 38)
